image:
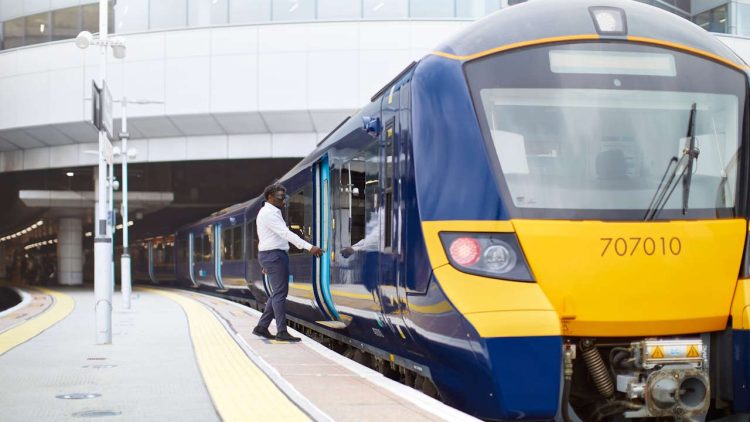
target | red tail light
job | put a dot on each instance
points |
(465, 251)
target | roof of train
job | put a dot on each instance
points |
(546, 19)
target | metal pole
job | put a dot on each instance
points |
(102, 239)
(112, 220)
(125, 259)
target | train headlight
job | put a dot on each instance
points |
(500, 258)
(609, 20)
(495, 255)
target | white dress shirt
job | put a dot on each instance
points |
(273, 232)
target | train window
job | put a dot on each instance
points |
(388, 159)
(237, 243)
(226, 248)
(169, 252)
(252, 240)
(198, 248)
(208, 251)
(299, 204)
(350, 206)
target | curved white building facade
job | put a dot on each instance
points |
(223, 92)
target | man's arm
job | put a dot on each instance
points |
(278, 226)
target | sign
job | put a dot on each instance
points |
(101, 111)
(107, 125)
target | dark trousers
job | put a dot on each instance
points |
(275, 264)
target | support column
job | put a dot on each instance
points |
(70, 252)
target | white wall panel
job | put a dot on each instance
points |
(206, 147)
(187, 43)
(292, 144)
(384, 35)
(141, 148)
(12, 161)
(8, 63)
(87, 154)
(283, 81)
(282, 38)
(63, 156)
(234, 83)
(167, 149)
(36, 158)
(63, 55)
(33, 60)
(61, 4)
(145, 80)
(149, 46)
(10, 9)
(239, 40)
(333, 80)
(428, 35)
(187, 85)
(376, 68)
(35, 6)
(31, 102)
(334, 36)
(249, 146)
(8, 110)
(66, 96)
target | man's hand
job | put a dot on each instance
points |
(316, 251)
(347, 252)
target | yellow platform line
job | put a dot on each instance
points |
(240, 391)
(61, 307)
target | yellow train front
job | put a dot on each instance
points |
(581, 172)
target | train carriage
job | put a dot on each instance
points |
(546, 218)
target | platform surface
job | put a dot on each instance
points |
(177, 355)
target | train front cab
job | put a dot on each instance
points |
(593, 239)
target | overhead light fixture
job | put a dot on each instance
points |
(70, 174)
(294, 7)
(378, 6)
(609, 20)
(41, 28)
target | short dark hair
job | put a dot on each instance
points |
(272, 189)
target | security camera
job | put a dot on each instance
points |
(83, 40)
(118, 48)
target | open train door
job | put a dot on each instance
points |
(391, 285)
(323, 236)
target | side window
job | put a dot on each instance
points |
(226, 248)
(388, 180)
(237, 243)
(198, 248)
(169, 252)
(208, 243)
(351, 192)
(299, 216)
(251, 240)
(373, 219)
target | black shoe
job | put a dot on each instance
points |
(284, 336)
(263, 332)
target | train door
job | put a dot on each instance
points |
(151, 275)
(324, 225)
(390, 208)
(218, 256)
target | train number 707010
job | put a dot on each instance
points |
(629, 246)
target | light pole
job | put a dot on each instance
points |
(102, 230)
(125, 280)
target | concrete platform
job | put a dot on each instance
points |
(178, 355)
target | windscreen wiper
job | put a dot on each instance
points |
(692, 154)
(669, 180)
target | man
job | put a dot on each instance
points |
(273, 247)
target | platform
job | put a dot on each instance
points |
(179, 355)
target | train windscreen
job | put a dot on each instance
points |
(621, 130)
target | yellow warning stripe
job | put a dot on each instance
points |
(61, 307)
(240, 391)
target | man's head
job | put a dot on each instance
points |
(275, 194)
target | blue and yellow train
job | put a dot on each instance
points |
(546, 218)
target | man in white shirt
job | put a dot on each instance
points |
(273, 253)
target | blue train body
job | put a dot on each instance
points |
(417, 163)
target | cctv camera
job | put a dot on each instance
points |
(83, 40)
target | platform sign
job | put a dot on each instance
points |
(96, 105)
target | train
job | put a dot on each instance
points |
(545, 218)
